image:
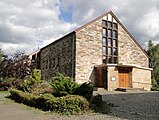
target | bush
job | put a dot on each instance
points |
(62, 85)
(41, 88)
(4, 86)
(71, 104)
(155, 86)
(86, 90)
(30, 82)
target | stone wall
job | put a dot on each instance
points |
(141, 78)
(112, 84)
(88, 51)
(128, 51)
(58, 57)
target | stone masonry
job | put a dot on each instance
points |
(128, 51)
(88, 51)
(58, 57)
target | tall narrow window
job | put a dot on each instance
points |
(110, 38)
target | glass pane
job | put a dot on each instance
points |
(109, 59)
(114, 25)
(104, 23)
(114, 43)
(115, 60)
(104, 32)
(109, 25)
(109, 42)
(114, 34)
(104, 50)
(104, 41)
(104, 59)
(114, 51)
(109, 33)
(109, 51)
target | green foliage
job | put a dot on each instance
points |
(63, 85)
(155, 86)
(1, 55)
(70, 104)
(86, 90)
(36, 76)
(29, 83)
(153, 52)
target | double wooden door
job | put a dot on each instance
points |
(124, 79)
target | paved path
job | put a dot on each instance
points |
(134, 106)
(14, 111)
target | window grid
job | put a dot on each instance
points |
(109, 40)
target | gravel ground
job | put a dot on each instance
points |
(134, 106)
(14, 111)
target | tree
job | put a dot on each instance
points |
(1, 55)
(18, 66)
(153, 52)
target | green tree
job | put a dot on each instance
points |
(153, 52)
(1, 55)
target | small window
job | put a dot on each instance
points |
(104, 41)
(104, 23)
(114, 60)
(114, 43)
(114, 34)
(109, 51)
(104, 32)
(109, 24)
(109, 33)
(109, 41)
(114, 26)
(104, 51)
(104, 59)
(115, 51)
(109, 59)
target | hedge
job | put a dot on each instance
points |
(70, 104)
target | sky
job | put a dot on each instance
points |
(26, 25)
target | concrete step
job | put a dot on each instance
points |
(130, 89)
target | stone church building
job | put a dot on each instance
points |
(102, 52)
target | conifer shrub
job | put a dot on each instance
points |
(70, 104)
(85, 90)
(63, 85)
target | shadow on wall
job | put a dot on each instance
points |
(92, 77)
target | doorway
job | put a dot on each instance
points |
(102, 77)
(124, 79)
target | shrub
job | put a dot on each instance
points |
(71, 104)
(41, 88)
(62, 85)
(4, 86)
(155, 86)
(28, 84)
(86, 90)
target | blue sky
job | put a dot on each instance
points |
(27, 25)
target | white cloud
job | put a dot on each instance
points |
(138, 16)
(29, 24)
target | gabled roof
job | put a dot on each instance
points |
(110, 12)
(94, 20)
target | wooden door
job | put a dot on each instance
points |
(100, 81)
(124, 80)
(102, 77)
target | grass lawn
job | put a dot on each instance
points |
(4, 92)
